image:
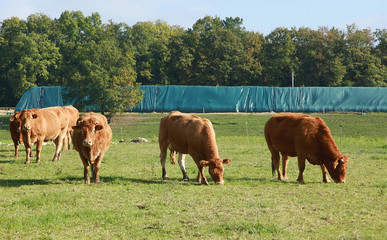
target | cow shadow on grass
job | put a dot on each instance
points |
(24, 182)
(112, 180)
(271, 181)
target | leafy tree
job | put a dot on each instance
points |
(279, 58)
(211, 53)
(251, 70)
(104, 78)
(363, 68)
(381, 48)
(319, 57)
(151, 40)
(29, 59)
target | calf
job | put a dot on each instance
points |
(306, 137)
(189, 134)
(92, 137)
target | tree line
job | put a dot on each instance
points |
(103, 60)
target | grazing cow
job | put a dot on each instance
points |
(73, 117)
(306, 137)
(40, 125)
(92, 137)
(189, 134)
(15, 130)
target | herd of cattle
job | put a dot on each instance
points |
(290, 134)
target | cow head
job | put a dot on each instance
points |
(87, 128)
(27, 116)
(216, 168)
(339, 168)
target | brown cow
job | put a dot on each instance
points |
(306, 137)
(73, 117)
(15, 130)
(189, 134)
(92, 138)
(40, 125)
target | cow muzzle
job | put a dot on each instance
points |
(220, 183)
(339, 181)
(87, 143)
(26, 128)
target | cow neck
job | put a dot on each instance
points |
(329, 151)
(211, 149)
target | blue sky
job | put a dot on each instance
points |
(259, 16)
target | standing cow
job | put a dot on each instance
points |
(306, 137)
(15, 130)
(40, 125)
(189, 134)
(92, 137)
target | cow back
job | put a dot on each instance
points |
(295, 134)
(187, 133)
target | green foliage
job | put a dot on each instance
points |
(50, 201)
(83, 52)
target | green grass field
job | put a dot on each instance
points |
(50, 201)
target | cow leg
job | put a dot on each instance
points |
(39, 145)
(285, 159)
(95, 168)
(85, 168)
(182, 166)
(201, 177)
(58, 142)
(324, 172)
(65, 143)
(16, 144)
(68, 140)
(276, 163)
(28, 153)
(301, 168)
(163, 158)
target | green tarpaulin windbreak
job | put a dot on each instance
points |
(40, 97)
(262, 99)
(234, 99)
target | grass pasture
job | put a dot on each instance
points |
(50, 201)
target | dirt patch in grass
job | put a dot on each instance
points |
(127, 119)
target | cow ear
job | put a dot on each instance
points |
(204, 163)
(227, 160)
(98, 127)
(12, 119)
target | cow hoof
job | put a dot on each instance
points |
(165, 178)
(326, 181)
(204, 182)
(27, 162)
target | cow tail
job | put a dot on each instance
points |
(272, 166)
